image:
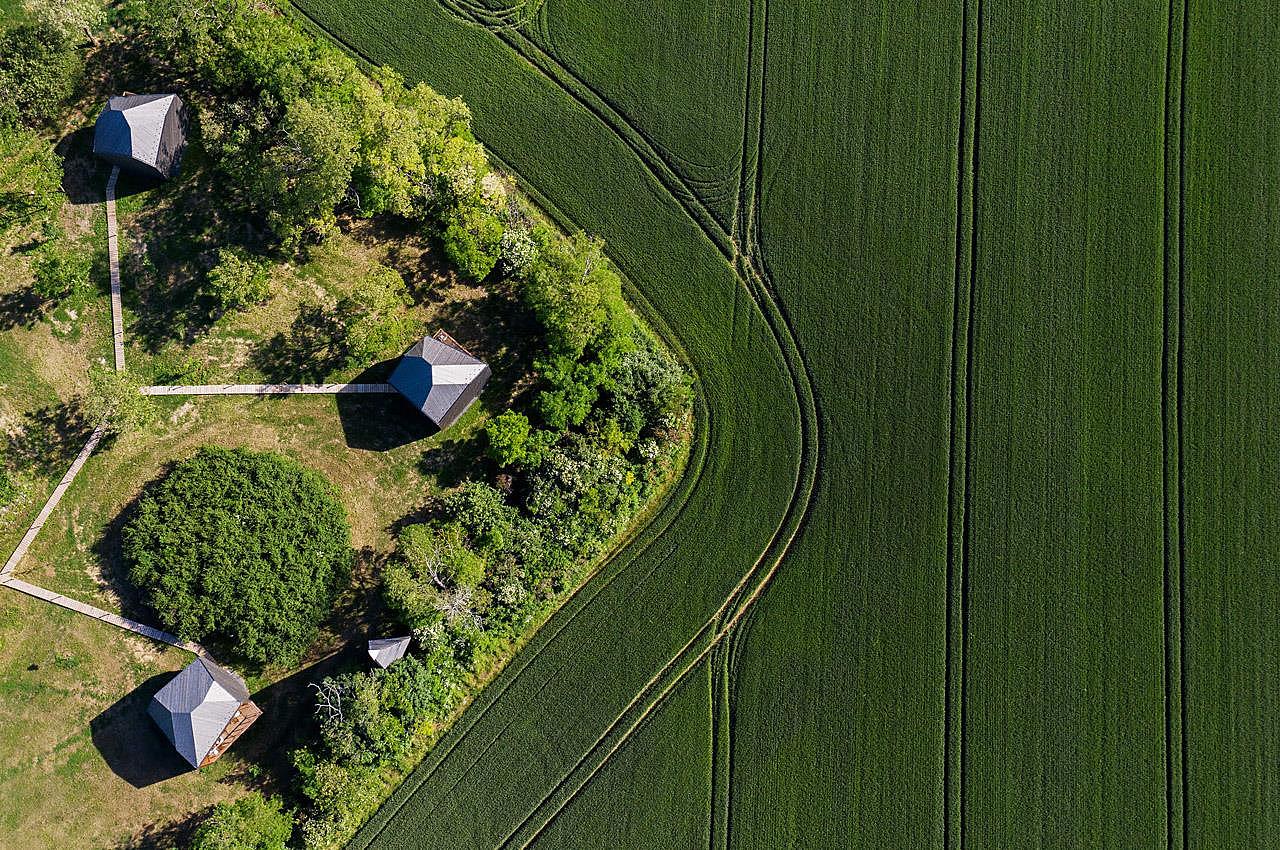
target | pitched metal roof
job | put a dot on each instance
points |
(386, 651)
(194, 707)
(143, 132)
(439, 379)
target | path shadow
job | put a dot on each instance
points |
(129, 742)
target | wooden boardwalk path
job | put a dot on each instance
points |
(99, 614)
(113, 258)
(52, 502)
(268, 389)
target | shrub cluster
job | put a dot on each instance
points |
(253, 822)
(297, 130)
(250, 547)
(368, 721)
(39, 66)
(603, 430)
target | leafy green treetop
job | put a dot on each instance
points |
(253, 822)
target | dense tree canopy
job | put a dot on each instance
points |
(298, 131)
(250, 547)
(38, 71)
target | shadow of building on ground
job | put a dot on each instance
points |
(288, 721)
(379, 422)
(131, 744)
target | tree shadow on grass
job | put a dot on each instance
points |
(309, 352)
(169, 835)
(48, 439)
(131, 744)
(108, 550)
(20, 308)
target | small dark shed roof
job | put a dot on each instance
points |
(196, 705)
(439, 378)
(145, 133)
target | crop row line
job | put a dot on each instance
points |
(959, 467)
(1171, 405)
(752, 269)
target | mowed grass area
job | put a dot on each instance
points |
(80, 765)
(1229, 415)
(45, 354)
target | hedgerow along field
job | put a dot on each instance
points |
(962, 325)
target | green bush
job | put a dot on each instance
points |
(38, 71)
(375, 318)
(60, 270)
(472, 240)
(342, 797)
(371, 718)
(238, 279)
(30, 178)
(253, 822)
(249, 547)
(577, 296)
(508, 437)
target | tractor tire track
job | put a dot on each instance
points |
(1171, 408)
(961, 424)
(752, 267)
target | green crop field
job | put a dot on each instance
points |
(977, 544)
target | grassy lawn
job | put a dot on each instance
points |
(375, 449)
(79, 762)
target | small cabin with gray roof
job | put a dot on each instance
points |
(440, 377)
(202, 711)
(142, 133)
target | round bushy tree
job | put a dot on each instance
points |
(247, 546)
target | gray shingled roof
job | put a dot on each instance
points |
(439, 379)
(143, 133)
(387, 651)
(195, 706)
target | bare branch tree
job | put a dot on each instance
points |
(328, 700)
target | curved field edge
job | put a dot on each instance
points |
(735, 404)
